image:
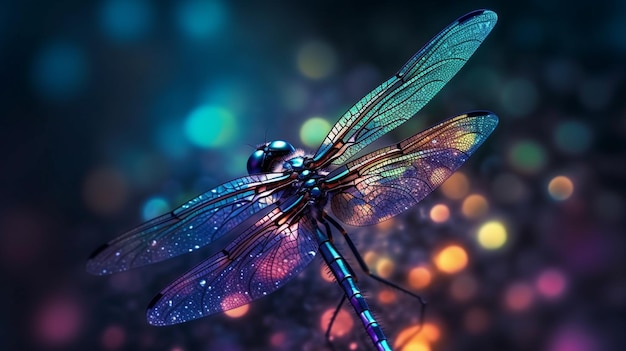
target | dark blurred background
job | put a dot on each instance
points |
(115, 111)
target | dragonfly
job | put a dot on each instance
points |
(266, 227)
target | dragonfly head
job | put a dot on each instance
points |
(264, 158)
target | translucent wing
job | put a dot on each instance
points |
(402, 96)
(197, 223)
(261, 260)
(388, 181)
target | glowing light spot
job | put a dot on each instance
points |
(237, 311)
(384, 267)
(575, 338)
(113, 337)
(235, 300)
(418, 338)
(456, 187)
(431, 332)
(385, 225)
(153, 207)
(476, 320)
(313, 131)
(420, 277)
(59, 71)
(126, 20)
(518, 296)
(561, 188)
(463, 287)
(278, 339)
(439, 213)
(235, 305)
(551, 283)
(326, 274)
(572, 137)
(370, 258)
(353, 346)
(342, 325)
(474, 206)
(386, 296)
(492, 235)
(105, 190)
(316, 60)
(58, 322)
(210, 126)
(200, 19)
(451, 259)
(519, 97)
(527, 156)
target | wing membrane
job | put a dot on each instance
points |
(388, 181)
(261, 260)
(402, 96)
(196, 223)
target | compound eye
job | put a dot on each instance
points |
(255, 162)
(280, 148)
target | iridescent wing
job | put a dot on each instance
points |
(261, 260)
(388, 181)
(402, 96)
(197, 223)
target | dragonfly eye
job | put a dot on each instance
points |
(265, 157)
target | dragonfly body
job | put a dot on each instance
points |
(265, 228)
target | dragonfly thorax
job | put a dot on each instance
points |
(266, 156)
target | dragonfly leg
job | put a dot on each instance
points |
(367, 270)
(332, 321)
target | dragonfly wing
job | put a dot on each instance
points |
(261, 260)
(196, 223)
(388, 181)
(402, 96)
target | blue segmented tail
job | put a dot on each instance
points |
(343, 274)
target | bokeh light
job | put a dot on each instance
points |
(451, 259)
(492, 235)
(518, 296)
(153, 207)
(455, 187)
(126, 20)
(313, 131)
(572, 137)
(58, 321)
(384, 267)
(316, 60)
(419, 277)
(343, 322)
(418, 337)
(386, 296)
(210, 126)
(60, 70)
(113, 337)
(439, 213)
(560, 188)
(463, 287)
(527, 156)
(238, 312)
(551, 283)
(474, 206)
(200, 19)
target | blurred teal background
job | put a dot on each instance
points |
(114, 111)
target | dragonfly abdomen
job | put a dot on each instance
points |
(345, 277)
